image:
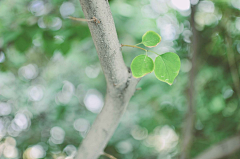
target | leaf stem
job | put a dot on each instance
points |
(153, 52)
(134, 47)
(138, 44)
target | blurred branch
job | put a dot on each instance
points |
(222, 149)
(120, 83)
(233, 66)
(188, 127)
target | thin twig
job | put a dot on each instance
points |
(84, 20)
(108, 155)
(138, 89)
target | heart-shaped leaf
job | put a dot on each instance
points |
(151, 39)
(167, 67)
(141, 65)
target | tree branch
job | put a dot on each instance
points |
(222, 149)
(120, 83)
(233, 66)
(188, 127)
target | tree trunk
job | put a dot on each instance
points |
(189, 122)
(120, 83)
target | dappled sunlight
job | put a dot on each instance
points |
(164, 139)
(66, 9)
(53, 86)
(93, 101)
(181, 4)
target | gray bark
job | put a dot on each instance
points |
(222, 149)
(120, 83)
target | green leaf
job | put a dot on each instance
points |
(141, 65)
(167, 67)
(151, 39)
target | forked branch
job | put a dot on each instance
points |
(120, 83)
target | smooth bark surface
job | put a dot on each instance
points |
(120, 83)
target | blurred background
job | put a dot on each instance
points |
(52, 86)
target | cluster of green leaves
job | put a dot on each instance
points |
(166, 66)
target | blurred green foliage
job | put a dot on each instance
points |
(52, 86)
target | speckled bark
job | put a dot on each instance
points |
(120, 83)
